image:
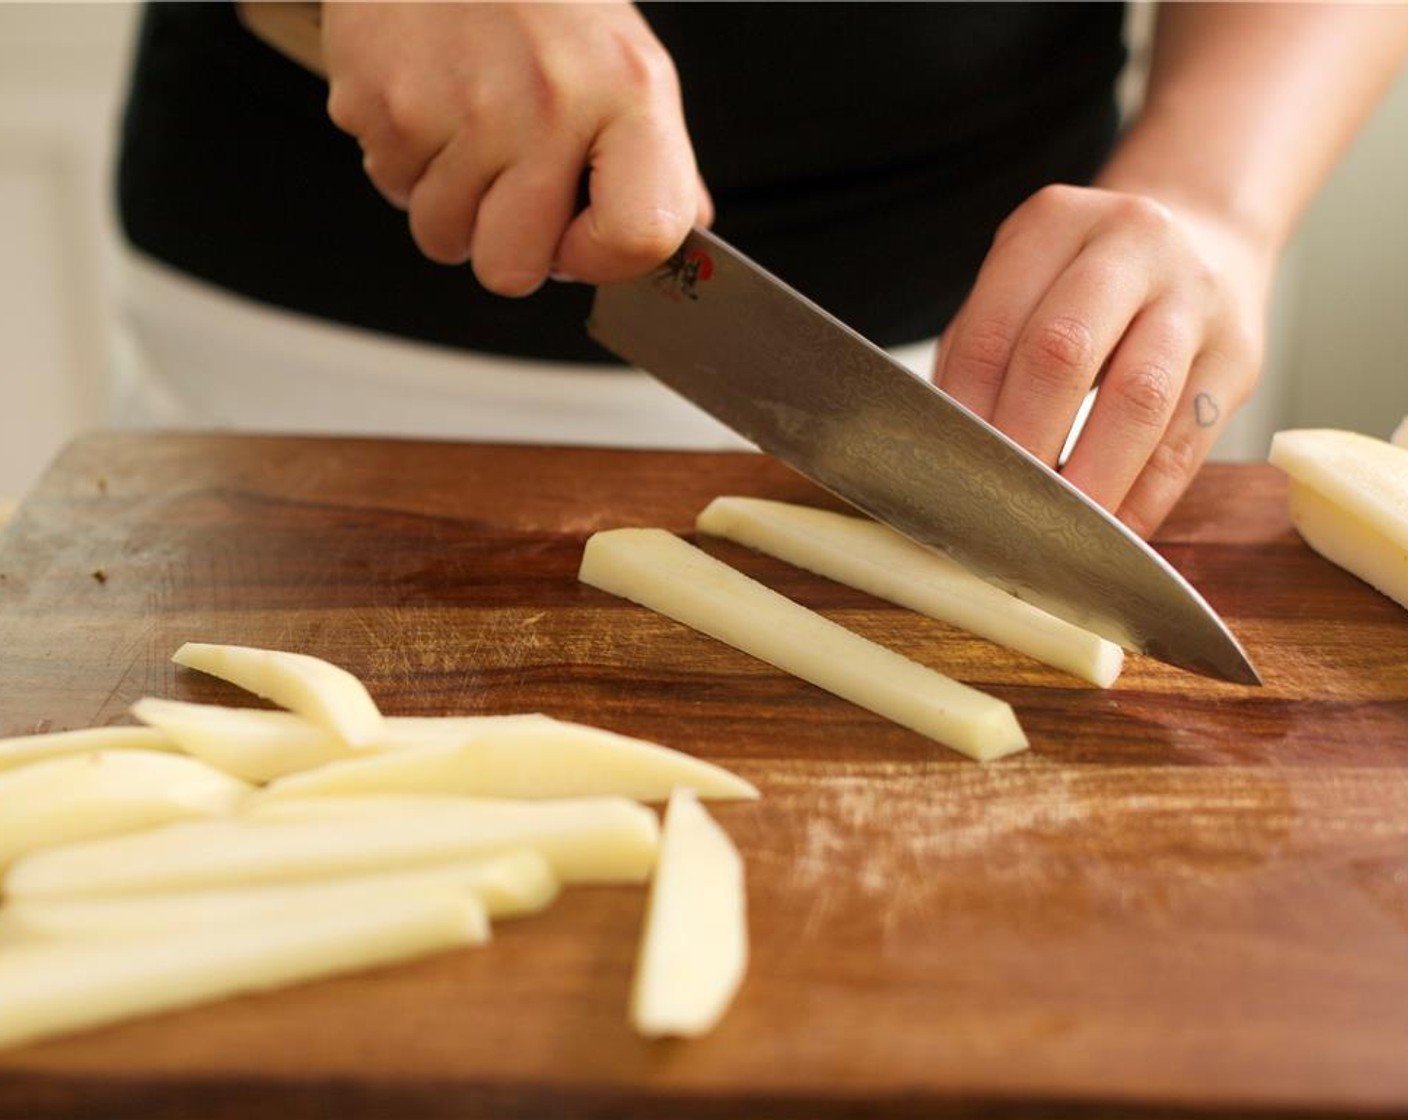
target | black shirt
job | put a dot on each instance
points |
(864, 152)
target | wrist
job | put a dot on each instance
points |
(292, 29)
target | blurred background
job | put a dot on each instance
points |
(1339, 344)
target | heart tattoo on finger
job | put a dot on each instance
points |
(1205, 410)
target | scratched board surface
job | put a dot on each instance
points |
(1187, 897)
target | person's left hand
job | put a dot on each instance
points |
(1165, 310)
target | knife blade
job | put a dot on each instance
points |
(802, 386)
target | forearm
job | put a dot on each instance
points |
(1249, 106)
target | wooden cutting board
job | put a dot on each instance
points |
(1187, 897)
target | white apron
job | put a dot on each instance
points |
(196, 356)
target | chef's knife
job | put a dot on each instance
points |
(805, 388)
(801, 385)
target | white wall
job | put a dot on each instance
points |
(61, 68)
(1339, 345)
(1346, 359)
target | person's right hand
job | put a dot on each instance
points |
(480, 119)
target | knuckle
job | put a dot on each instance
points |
(1055, 202)
(440, 240)
(1149, 216)
(393, 184)
(393, 117)
(1059, 351)
(1242, 347)
(547, 97)
(1140, 520)
(347, 107)
(1040, 212)
(1108, 273)
(1054, 196)
(1173, 460)
(542, 94)
(647, 236)
(1233, 361)
(1009, 228)
(405, 116)
(983, 351)
(1205, 273)
(642, 66)
(1204, 280)
(1144, 393)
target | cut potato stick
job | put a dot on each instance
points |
(250, 743)
(259, 745)
(509, 884)
(694, 950)
(24, 749)
(327, 695)
(1350, 542)
(412, 731)
(63, 986)
(103, 793)
(379, 840)
(544, 759)
(660, 571)
(361, 806)
(876, 559)
(599, 840)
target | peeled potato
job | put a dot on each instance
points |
(259, 745)
(103, 793)
(597, 840)
(23, 749)
(1349, 501)
(876, 559)
(112, 911)
(324, 693)
(62, 986)
(542, 759)
(695, 946)
(365, 806)
(660, 571)
(1350, 542)
(507, 884)
(251, 743)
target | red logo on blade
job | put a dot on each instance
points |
(680, 276)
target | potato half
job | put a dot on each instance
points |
(1349, 502)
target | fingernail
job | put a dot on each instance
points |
(561, 277)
